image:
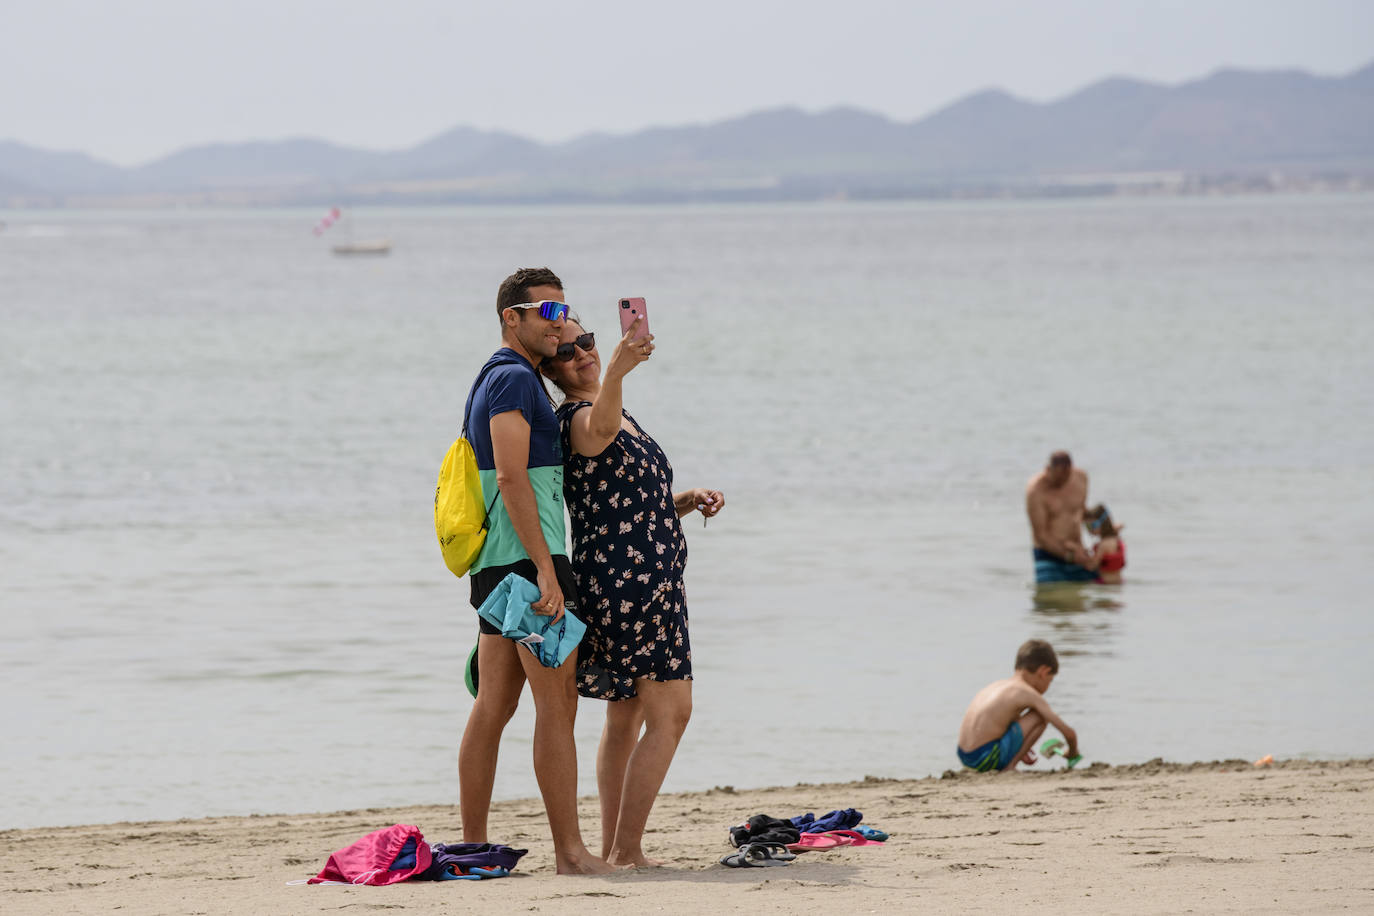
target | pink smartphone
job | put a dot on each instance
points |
(630, 309)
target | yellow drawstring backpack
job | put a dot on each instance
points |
(459, 520)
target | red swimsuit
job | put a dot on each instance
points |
(1114, 561)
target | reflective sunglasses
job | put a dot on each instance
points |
(565, 351)
(549, 310)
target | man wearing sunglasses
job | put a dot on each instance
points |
(514, 435)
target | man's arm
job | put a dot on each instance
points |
(510, 449)
(1039, 514)
(1076, 551)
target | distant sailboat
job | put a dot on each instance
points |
(348, 246)
(376, 246)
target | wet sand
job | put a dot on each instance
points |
(1220, 837)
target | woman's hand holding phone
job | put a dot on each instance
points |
(633, 310)
(630, 351)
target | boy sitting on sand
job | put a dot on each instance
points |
(1006, 717)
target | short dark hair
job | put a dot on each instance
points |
(515, 288)
(1034, 653)
(1059, 459)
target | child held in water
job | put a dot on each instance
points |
(1007, 717)
(1109, 553)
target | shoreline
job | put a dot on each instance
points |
(1167, 184)
(1219, 836)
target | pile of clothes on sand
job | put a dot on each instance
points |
(764, 841)
(400, 853)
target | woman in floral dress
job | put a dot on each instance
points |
(628, 556)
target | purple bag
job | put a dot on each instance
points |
(463, 860)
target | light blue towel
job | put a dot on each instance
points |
(508, 608)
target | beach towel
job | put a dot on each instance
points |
(384, 856)
(508, 609)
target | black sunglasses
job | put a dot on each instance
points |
(585, 342)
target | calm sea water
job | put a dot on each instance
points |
(218, 444)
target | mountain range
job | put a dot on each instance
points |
(1231, 123)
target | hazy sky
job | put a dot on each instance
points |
(135, 80)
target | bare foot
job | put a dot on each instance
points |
(583, 863)
(638, 860)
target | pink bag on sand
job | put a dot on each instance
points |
(382, 857)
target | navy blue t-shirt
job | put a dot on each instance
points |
(513, 384)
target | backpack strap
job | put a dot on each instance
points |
(472, 392)
(467, 412)
(486, 517)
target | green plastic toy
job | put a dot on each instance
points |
(1055, 747)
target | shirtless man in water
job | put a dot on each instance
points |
(1055, 501)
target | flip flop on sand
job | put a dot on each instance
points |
(871, 833)
(810, 841)
(851, 838)
(454, 873)
(777, 851)
(758, 855)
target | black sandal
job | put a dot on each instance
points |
(758, 855)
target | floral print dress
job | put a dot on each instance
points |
(628, 556)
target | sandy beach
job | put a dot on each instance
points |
(1158, 837)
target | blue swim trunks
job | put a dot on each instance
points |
(1049, 568)
(996, 754)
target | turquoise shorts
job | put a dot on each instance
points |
(996, 754)
(1049, 568)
